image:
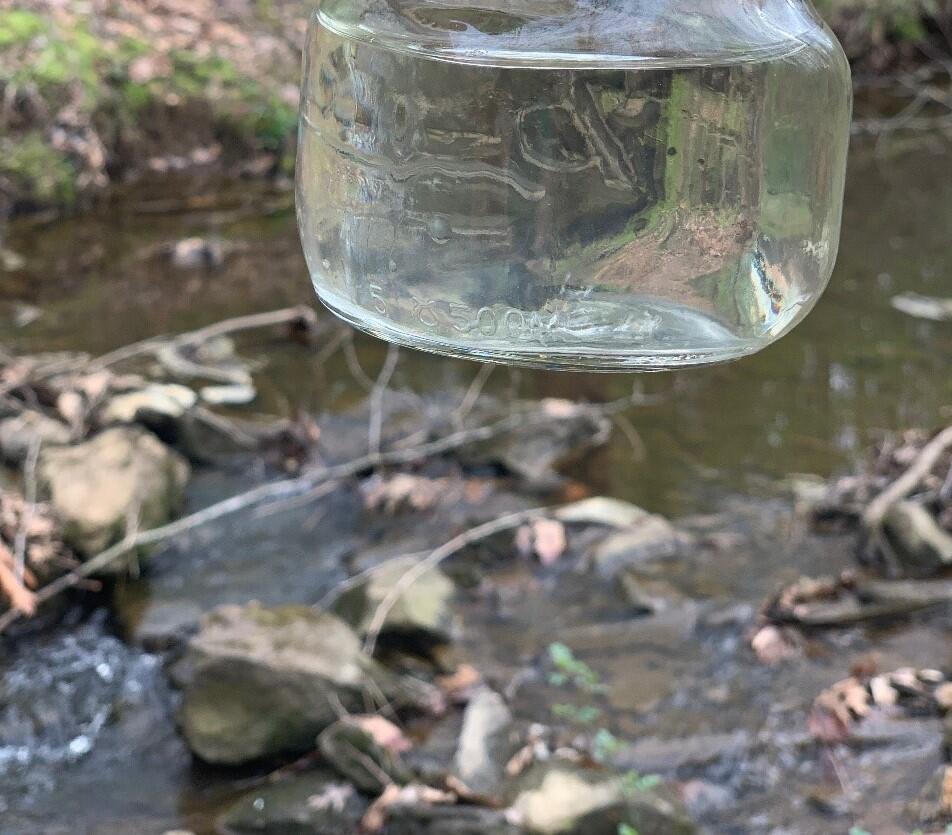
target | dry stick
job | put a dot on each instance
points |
(376, 398)
(447, 549)
(273, 491)
(920, 467)
(284, 316)
(472, 394)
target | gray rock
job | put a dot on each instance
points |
(97, 487)
(921, 546)
(564, 799)
(602, 510)
(19, 434)
(353, 753)
(653, 537)
(420, 819)
(486, 743)
(166, 625)
(263, 681)
(422, 611)
(537, 450)
(314, 803)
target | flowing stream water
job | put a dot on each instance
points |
(716, 441)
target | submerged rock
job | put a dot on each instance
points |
(423, 819)
(28, 430)
(351, 750)
(421, 612)
(120, 476)
(545, 443)
(485, 744)
(652, 537)
(920, 545)
(263, 681)
(602, 510)
(564, 799)
(316, 802)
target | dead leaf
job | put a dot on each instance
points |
(543, 537)
(20, 597)
(375, 818)
(402, 489)
(773, 644)
(521, 760)
(837, 707)
(945, 798)
(384, 732)
(70, 405)
(459, 684)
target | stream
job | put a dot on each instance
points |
(711, 449)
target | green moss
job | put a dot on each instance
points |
(46, 174)
(18, 27)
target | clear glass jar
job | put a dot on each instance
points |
(597, 184)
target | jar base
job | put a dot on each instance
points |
(570, 358)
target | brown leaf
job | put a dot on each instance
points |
(773, 644)
(550, 542)
(384, 732)
(835, 709)
(20, 597)
(414, 491)
(375, 818)
(543, 537)
(460, 683)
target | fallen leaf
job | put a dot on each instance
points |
(375, 818)
(773, 644)
(550, 542)
(460, 683)
(384, 732)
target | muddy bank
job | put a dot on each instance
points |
(103, 92)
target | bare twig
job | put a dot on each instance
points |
(22, 534)
(376, 398)
(273, 491)
(435, 557)
(353, 363)
(472, 394)
(921, 466)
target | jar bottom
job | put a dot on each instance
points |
(574, 357)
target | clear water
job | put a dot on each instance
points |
(640, 216)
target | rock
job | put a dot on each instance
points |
(933, 807)
(650, 595)
(652, 537)
(97, 487)
(420, 614)
(307, 804)
(21, 433)
(263, 681)
(536, 450)
(920, 545)
(157, 403)
(564, 799)
(352, 752)
(601, 510)
(192, 253)
(422, 819)
(485, 745)
(166, 625)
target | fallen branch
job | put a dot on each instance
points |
(273, 491)
(921, 466)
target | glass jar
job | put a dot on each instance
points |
(576, 184)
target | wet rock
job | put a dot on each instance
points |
(421, 613)
(485, 745)
(263, 681)
(421, 819)
(563, 799)
(601, 510)
(166, 625)
(933, 807)
(649, 595)
(920, 545)
(652, 537)
(545, 443)
(650, 753)
(97, 487)
(27, 430)
(311, 803)
(194, 253)
(351, 750)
